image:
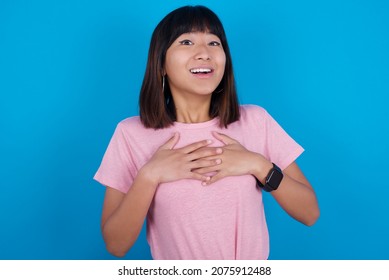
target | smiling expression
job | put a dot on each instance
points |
(195, 64)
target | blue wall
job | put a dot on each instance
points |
(70, 70)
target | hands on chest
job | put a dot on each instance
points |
(198, 160)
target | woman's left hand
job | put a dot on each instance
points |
(297, 199)
(235, 160)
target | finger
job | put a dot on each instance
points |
(214, 178)
(171, 142)
(223, 138)
(205, 152)
(195, 146)
(210, 166)
(200, 177)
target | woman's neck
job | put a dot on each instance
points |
(192, 111)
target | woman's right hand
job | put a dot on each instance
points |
(124, 214)
(169, 164)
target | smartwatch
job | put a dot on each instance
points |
(273, 179)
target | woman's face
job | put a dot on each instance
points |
(195, 64)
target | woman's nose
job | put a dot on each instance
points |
(202, 52)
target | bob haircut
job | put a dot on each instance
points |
(156, 104)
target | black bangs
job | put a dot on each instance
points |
(196, 19)
(193, 19)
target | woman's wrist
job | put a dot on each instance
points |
(261, 167)
(147, 177)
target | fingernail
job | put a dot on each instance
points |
(204, 183)
(219, 150)
(218, 161)
(209, 141)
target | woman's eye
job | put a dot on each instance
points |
(186, 42)
(214, 43)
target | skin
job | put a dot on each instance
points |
(192, 96)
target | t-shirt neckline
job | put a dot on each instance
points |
(209, 123)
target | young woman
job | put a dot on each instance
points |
(195, 163)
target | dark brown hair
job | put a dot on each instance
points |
(157, 108)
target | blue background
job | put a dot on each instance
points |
(70, 70)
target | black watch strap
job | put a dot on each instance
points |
(273, 179)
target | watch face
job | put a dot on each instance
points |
(274, 179)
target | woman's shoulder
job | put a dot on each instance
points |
(130, 123)
(251, 110)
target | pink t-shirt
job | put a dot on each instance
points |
(186, 220)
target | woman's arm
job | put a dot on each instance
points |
(124, 214)
(295, 194)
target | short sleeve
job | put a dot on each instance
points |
(281, 148)
(117, 169)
